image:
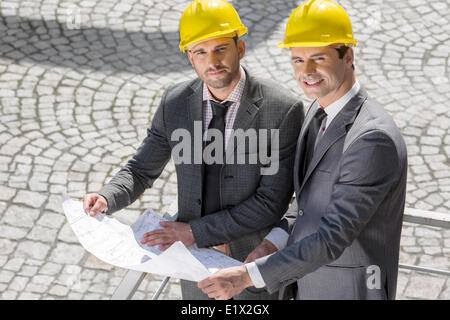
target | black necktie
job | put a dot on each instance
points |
(211, 175)
(219, 110)
(313, 130)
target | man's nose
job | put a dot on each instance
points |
(309, 67)
(213, 60)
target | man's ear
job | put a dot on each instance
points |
(241, 46)
(189, 55)
(349, 56)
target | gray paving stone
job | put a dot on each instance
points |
(51, 220)
(12, 232)
(18, 283)
(424, 287)
(7, 246)
(32, 199)
(67, 253)
(6, 193)
(28, 296)
(14, 264)
(28, 271)
(42, 280)
(50, 268)
(42, 234)
(66, 234)
(34, 288)
(3, 259)
(9, 295)
(19, 216)
(6, 276)
(32, 249)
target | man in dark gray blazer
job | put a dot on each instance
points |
(235, 204)
(340, 237)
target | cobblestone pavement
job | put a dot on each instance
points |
(80, 81)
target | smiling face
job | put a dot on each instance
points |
(322, 75)
(216, 62)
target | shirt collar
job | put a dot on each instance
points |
(234, 96)
(333, 109)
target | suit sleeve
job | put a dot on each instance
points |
(143, 168)
(369, 169)
(270, 200)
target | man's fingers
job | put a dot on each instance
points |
(165, 247)
(216, 292)
(94, 203)
(98, 207)
(166, 224)
(155, 235)
(87, 202)
(208, 288)
(204, 283)
(262, 250)
(214, 288)
(251, 257)
(155, 241)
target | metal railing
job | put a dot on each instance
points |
(426, 218)
(133, 279)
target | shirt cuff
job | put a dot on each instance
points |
(255, 275)
(278, 237)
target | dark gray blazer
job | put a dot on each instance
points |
(251, 203)
(348, 210)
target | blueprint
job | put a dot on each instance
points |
(119, 244)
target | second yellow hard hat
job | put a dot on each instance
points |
(208, 19)
(318, 23)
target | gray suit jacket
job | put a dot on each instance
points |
(347, 217)
(251, 203)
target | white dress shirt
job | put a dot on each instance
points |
(278, 236)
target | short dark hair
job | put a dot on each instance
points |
(342, 50)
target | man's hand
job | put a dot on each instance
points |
(172, 232)
(226, 283)
(263, 249)
(93, 203)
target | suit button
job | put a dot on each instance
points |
(300, 212)
(199, 201)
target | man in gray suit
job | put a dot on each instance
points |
(340, 237)
(229, 203)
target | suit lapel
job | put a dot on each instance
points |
(195, 109)
(335, 131)
(300, 142)
(195, 103)
(248, 109)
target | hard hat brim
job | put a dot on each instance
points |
(347, 42)
(219, 34)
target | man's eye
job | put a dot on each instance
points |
(297, 61)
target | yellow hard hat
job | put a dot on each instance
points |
(318, 23)
(208, 19)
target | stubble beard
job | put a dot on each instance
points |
(225, 81)
(220, 83)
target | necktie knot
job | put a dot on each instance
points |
(219, 108)
(320, 114)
